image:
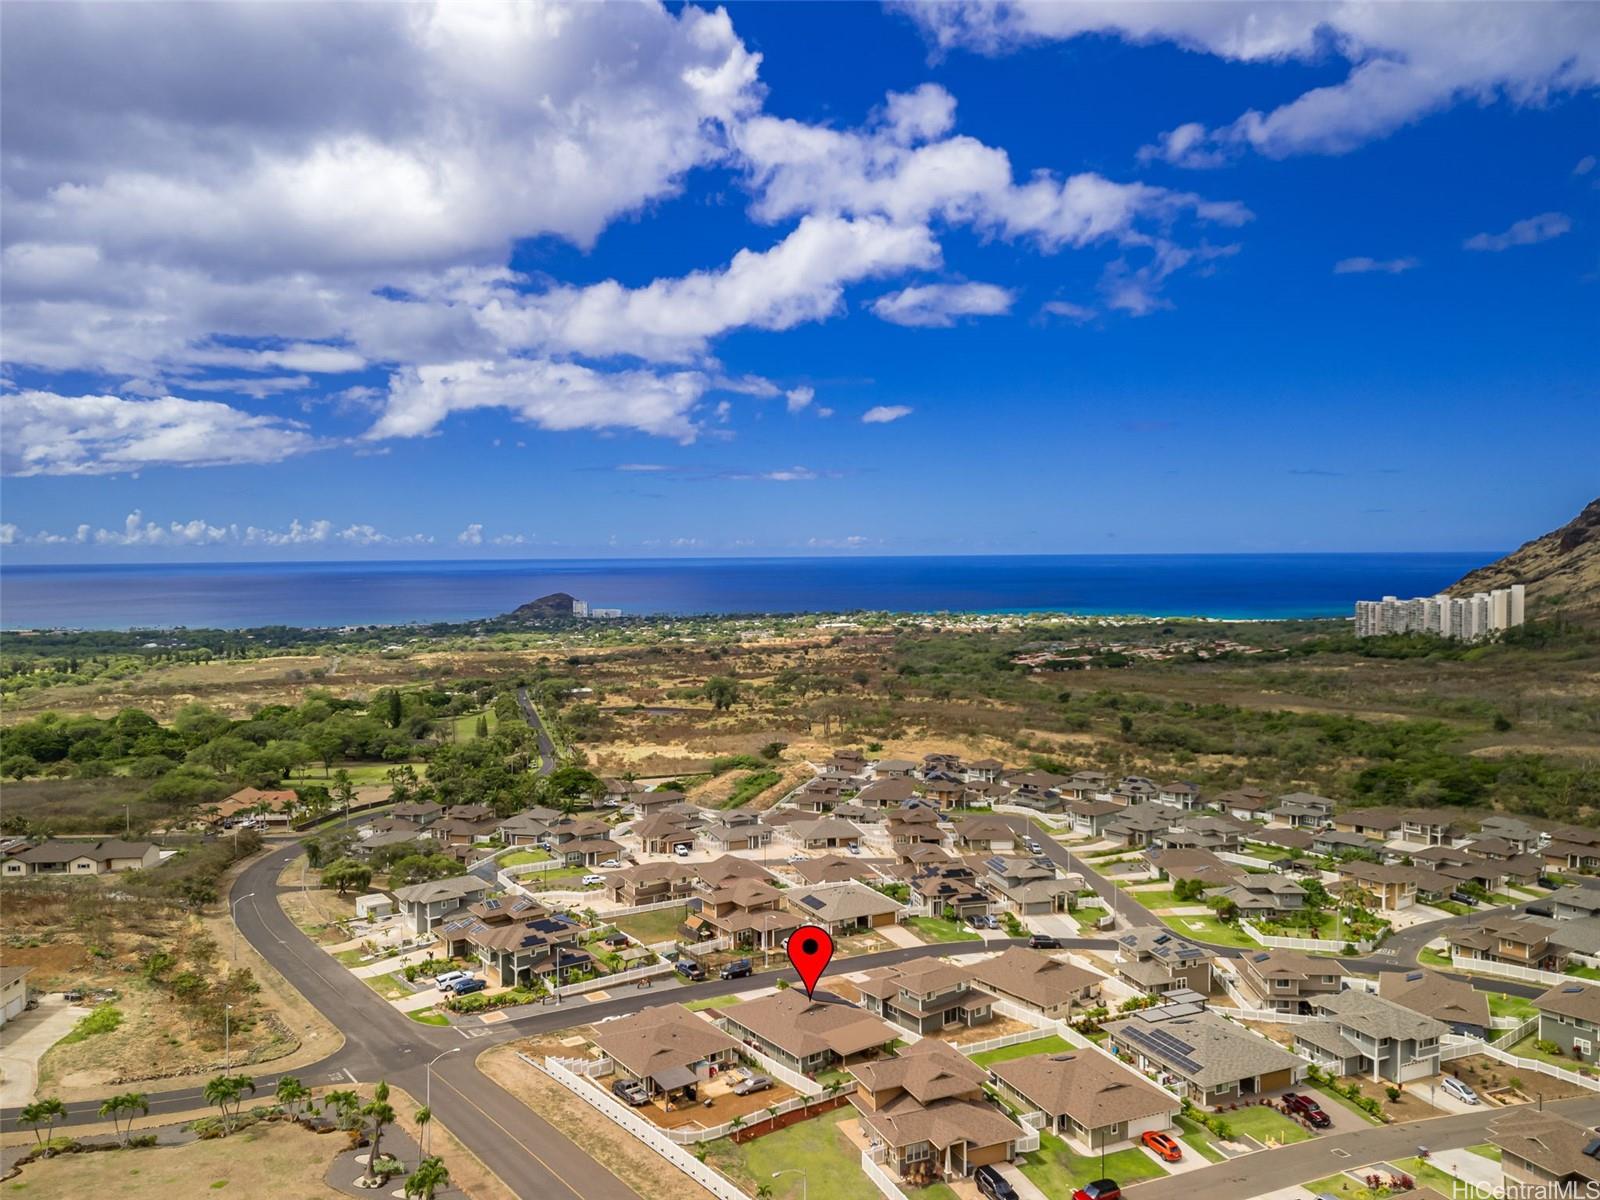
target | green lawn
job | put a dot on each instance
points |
(1582, 972)
(937, 929)
(521, 858)
(1428, 1175)
(388, 986)
(1198, 1138)
(652, 927)
(1487, 1149)
(1057, 1171)
(712, 1002)
(361, 774)
(429, 1018)
(466, 725)
(1526, 1049)
(1044, 1045)
(1268, 853)
(1511, 1006)
(1262, 1123)
(1430, 957)
(1209, 929)
(563, 880)
(832, 1165)
(1342, 1186)
(1159, 898)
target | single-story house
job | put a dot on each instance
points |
(1091, 1101)
(666, 1048)
(845, 908)
(1208, 1058)
(1035, 980)
(805, 1034)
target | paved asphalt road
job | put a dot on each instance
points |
(538, 1162)
(547, 748)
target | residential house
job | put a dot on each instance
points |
(1091, 816)
(1572, 848)
(1175, 864)
(1391, 888)
(1205, 1057)
(1298, 840)
(983, 770)
(1302, 810)
(1519, 941)
(1092, 1101)
(720, 837)
(830, 868)
(1157, 961)
(13, 992)
(1029, 886)
(986, 835)
(941, 763)
(1085, 785)
(1183, 796)
(1454, 1001)
(643, 803)
(424, 906)
(1047, 985)
(845, 908)
(619, 792)
(825, 833)
(663, 832)
(666, 1048)
(886, 793)
(1246, 804)
(66, 857)
(1037, 790)
(1212, 832)
(651, 883)
(1335, 843)
(423, 812)
(805, 1034)
(1545, 1154)
(747, 911)
(1265, 895)
(1142, 826)
(944, 793)
(926, 1111)
(275, 807)
(527, 828)
(925, 996)
(913, 827)
(892, 768)
(515, 949)
(1286, 980)
(1364, 1034)
(817, 795)
(1574, 902)
(1430, 828)
(1380, 824)
(949, 890)
(720, 872)
(1569, 1015)
(1525, 837)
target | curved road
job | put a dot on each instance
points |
(534, 1159)
(547, 747)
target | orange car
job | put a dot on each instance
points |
(1164, 1145)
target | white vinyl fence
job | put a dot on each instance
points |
(633, 975)
(1486, 966)
(713, 1181)
(880, 1177)
(1459, 1047)
(1296, 943)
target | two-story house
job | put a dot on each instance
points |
(424, 906)
(1029, 886)
(925, 996)
(1569, 1016)
(1520, 941)
(1286, 980)
(1158, 961)
(1364, 1034)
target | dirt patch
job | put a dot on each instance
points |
(1491, 1078)
(629, 1159)
(999, 1027)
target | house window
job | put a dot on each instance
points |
(921, 1152)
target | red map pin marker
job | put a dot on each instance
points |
(810, 951)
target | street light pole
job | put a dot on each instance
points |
(805, 1180)
(227, 1037)
(427, 1087)
(234, 907)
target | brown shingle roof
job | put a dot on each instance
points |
(1085, 1085)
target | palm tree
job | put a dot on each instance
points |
(344, 1104)
(128, 1102)
(431, 1175)
(763, 1191)
(227, 1092)
(44, 1112)
(382, 1113)
(424, 1115)
(291, 1094)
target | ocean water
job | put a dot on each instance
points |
(242, 595)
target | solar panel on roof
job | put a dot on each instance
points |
(1413, 976)
(1593, 1149)
(811, 901)
(1573, 990)
(1163, 939)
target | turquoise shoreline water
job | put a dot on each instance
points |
(244, 595)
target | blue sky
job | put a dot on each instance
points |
(797, 280)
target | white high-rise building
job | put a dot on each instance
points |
(1465, 617)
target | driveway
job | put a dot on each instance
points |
(1055, 924)
(26, 1039)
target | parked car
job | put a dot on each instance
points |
(1100, 1189)
(1459, 1090)
(1044, 941)
(447, 980)
(689, 969)
(630, 1091)
(610, 864)
(1546, 881)
(854, 849)
(591, 879)
(737, 969)
(993, 1184)
(1033, 846)
(1164, 1145)
(752, 1083)
(681, 850)
(1466, 898)
(1305, 1106)
(465, 987)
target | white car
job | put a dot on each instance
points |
(681, 850)
(611, 862)
(587, 880)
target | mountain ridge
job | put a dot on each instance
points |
(1561, 569)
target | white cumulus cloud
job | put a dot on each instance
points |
(1523, 233)
(882, 414)
(1362, 265)
(939, 304)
